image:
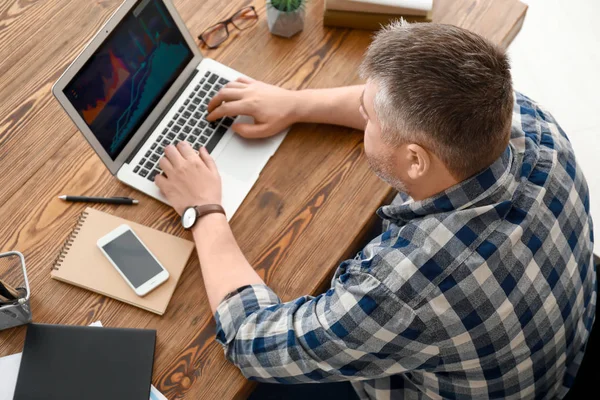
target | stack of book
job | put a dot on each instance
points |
(372, 14)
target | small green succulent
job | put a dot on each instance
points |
(287, 5)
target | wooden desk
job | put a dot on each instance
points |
(310, 209)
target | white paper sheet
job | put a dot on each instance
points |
(407, 7)
(155, 394)
(9, 370)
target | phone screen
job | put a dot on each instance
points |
(132, 258)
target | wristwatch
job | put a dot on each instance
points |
(194, 213)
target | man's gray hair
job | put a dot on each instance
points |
(444, 88)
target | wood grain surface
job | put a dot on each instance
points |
(311, 208)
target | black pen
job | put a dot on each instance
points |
(108, 200)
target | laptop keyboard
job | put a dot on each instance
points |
(188, 124)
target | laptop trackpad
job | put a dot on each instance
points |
(243, 159)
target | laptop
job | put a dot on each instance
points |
(142, 84)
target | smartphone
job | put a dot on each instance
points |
(132, 259)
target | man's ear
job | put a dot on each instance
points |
(419, 161)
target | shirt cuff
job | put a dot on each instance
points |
(237, 306)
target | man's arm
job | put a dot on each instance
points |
(275, 109)
(336, 106)
(357, 330)
(224, 267)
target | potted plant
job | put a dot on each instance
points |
(285, 17)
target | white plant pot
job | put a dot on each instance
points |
(285, 24)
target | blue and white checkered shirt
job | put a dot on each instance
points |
(487, 290)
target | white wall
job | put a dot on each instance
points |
(556, 61)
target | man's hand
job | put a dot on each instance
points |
(189, 179)
(272, 107)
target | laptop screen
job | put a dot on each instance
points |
(129, 73)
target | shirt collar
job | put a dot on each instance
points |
(457, 197)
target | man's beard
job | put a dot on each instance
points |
(382, 169)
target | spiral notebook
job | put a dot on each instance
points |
(81, 263)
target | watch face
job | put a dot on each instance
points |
(188, 218)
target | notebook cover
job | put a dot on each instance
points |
(63, 362)
(360, 20)
(81, 263)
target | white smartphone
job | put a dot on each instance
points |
(132, 259)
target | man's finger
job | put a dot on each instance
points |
(208, 160)
(225, 94)
(228, 94)
(233, 109)
(251, 130)
(165, 165)
(186, 150)
(160, 181)
(173, 155)
(245, 79)
(236, 85)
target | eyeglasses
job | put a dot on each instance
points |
(214, 36)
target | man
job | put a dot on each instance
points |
(482, 284)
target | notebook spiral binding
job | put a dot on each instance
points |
(69, 242)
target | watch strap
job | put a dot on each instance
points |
(206, 209)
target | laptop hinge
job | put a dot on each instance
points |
(162, 116)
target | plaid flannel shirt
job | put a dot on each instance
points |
(486, 290)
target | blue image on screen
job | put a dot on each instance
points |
(128, 75)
